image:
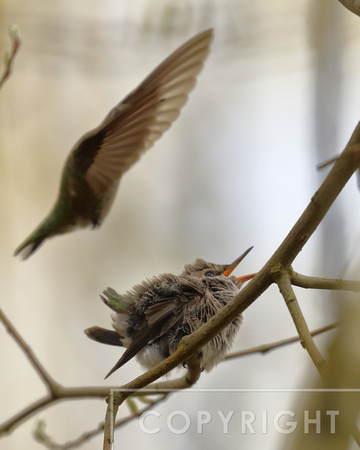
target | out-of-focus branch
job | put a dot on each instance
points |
(275, 345)
(338, 390)
(10, 56)
(43, 438)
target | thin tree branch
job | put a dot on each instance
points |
(56, 391)
(323, 283)
(157, 388)
(327, 163)
(43, 374)
(275, 345)
(63, 394)
(110, 418)
(283, 281)
(188, 380)
(43, 438)
(17, 419)
(164, 388)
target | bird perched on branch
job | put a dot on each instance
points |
(96, 163)
(151, 319)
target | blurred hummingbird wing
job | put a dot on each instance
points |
(142, 117)
(104, 336)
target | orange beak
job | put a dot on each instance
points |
(228, 270)
(246, 277)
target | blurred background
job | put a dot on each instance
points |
(278, 94)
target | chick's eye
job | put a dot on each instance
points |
(209, 274)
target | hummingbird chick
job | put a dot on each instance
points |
(151, 319)
(93, 169)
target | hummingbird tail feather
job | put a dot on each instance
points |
(108, 337)
(104, 336)
(115, 301)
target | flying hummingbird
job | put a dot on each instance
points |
(151, 319)
(96, 163)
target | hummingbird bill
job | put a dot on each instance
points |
(93, 169)
(151, 319)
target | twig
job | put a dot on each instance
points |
(43, 374)
(56, 391)
(110, 417)
(323, 283)
(275, 345)
(327, 162)
(47, 441)
(188, 380)
(283, 281)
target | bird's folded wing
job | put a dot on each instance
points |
(150, 330)
(160, 318)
